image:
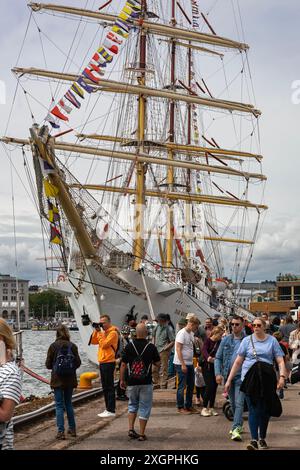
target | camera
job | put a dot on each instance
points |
(97, 326)
(85, 319)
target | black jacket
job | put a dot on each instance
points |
(62, 382)
(260, 383)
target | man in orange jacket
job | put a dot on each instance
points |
(106, 336)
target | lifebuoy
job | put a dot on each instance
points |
(61, 278)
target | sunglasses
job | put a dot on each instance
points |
(259, 325)
(235, 324)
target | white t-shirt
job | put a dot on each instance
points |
(186, 339)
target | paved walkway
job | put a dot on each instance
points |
(166, 430)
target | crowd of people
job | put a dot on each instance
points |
(253, 361)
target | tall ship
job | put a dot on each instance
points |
(146, 167)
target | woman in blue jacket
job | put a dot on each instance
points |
(255, 348)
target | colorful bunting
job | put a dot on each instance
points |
(53, 213)
(55, 236)
(50, 189)
(71, 97)
(56, 112)
(84, 85)
(90, 75)
(93, 72)
(65, 107)
(79, 91)
(53, 121)
(47, 168)
(195, 17)
(195, 13)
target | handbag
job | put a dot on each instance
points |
(275, 409)
(295, 374)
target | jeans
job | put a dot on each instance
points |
(237, 399)
(107, 379)
(140, 400)
(211, 385)
(185, 380)
(63, 401)
(258, 419)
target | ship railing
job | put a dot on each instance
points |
(19, 341)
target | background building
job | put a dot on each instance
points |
(8, 298)
(243, 297)
(280, 301)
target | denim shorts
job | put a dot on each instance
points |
(140, 400)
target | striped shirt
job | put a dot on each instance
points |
(10, 387)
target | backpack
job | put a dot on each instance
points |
(64, 364)
(119, 347)
(138, 370)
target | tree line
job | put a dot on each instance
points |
(46, 303)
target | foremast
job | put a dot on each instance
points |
(41, 149)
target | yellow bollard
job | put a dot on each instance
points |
(86, 378)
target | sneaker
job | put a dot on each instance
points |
(72, 432)
(205, 412)
(60, 435)
(240, 429)
(236, 436)
(253, 445)
(213, 412)
(193, 410)
(230, 432)
(106, 414)
(183, 411)
(263, 444)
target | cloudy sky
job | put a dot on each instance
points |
(272, 31)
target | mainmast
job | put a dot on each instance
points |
(188, 205)
(138, 248)
(170, 173)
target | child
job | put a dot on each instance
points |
(199, 384)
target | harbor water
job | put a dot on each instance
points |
(35, 347)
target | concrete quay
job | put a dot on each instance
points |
(166, 430)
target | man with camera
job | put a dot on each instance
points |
(106, 336)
